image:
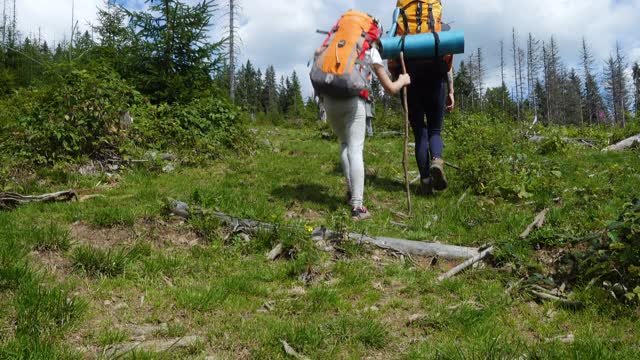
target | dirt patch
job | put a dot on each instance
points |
(51, 262)
(103, 238)
(298, 212)
(175, 233)
(161, 233)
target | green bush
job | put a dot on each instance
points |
(77, 115)
(614, 258)
(205, 127)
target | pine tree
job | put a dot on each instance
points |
(593, 105)
(112, 29)
(463, 83)
(296, 103)
(616, 86)
(270, 101)
(572, 99)
(176, 58)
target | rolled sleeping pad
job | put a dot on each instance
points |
(421, 46)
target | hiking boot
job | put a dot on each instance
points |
(436, 170)
(426, 187)
(360, 213)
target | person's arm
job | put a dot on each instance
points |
(451, 99)
(391, 87)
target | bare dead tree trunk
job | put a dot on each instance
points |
(232, 59)
(520, 62)
(502, 73)
(4, 22)
(481, 71)
(515, 71)
(73, 20)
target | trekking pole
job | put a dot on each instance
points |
(405, 157)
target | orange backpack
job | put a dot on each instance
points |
(338, 68)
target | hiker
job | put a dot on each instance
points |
(340, 71)
(430, 93)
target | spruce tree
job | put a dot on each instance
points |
(175, 56)
(270, 91)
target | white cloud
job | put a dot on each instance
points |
(52, 18)
(282, 32)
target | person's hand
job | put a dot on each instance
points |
(451, 102)
(404, 80)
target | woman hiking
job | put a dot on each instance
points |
(341, 68)
(431, 91)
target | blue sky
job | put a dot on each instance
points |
(282, 32)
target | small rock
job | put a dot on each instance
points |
(297, 291)
(245, 237)
(254, 131)
(566, 339)
(107, 302)
(267, 307)
(168, 157)
(121, 306)
(373, 309)
(88, 169)
(415, 318)
(151, 155)
(266, 142)
(169, 168)
(180, 209)
(276, 252)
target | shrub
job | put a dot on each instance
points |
(79, 114)
(205, 127)
(614, 258)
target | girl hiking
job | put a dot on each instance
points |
(430, 93)
(341, 68)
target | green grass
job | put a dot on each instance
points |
(98, 262)
(51, 237)
(357, 302)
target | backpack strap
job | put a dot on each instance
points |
(405, 21)
(432, 27)
(419, 17)
(431, 20)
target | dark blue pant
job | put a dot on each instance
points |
(427, 97)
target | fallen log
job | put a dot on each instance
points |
(10, 200)
(291, 352)
(566, 140)
(460, 268)
(537, 223)
(624, 144)
(152, 346)
(417, 248)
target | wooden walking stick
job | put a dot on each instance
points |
(405, 157)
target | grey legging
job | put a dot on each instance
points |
(347, 118)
